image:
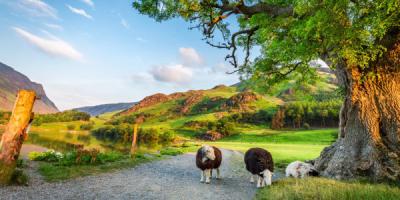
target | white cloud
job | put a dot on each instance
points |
(54, 26)
(52, 46)
(88, 2)
(80, 12)
(124, 23)
(190, 57)
(141, 39)
(172, 74)
(37, 8)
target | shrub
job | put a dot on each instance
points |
(70, 127)
(168, 136)
(19, 178)
(66, 116)
(86, 126)
(70, 158)
(49, 156)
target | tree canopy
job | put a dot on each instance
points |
(291, 33)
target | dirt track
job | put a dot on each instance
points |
(173, 178)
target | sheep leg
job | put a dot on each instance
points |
(218, 174)
(202, 174)
(262, 182)
(208, 175)
(252, 178)
(259, 180)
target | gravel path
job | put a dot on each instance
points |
(173, 178)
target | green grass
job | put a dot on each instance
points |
(285, 146)
(53, 172)
(256, 134)
(327, 189)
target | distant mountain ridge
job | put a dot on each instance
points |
(105, 108)
(11, 81)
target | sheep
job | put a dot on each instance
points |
(299, 169)
(207, 159)
(260, 164)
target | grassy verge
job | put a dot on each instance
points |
(326, 189)
(53, 172)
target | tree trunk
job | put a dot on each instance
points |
(369, 128)
(15, 133)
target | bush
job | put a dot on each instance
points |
(49, 156)
(70, 158)
(71, 127)
(66, 116)
(87, 126)
(19, 178)
(167, 136)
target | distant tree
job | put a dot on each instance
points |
(359, 39)
(278, 120)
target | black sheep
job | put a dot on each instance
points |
(259, 162)
(207, 159)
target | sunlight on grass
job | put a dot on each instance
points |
(326, 189)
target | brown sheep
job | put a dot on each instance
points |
(207, 159)
(259, 162)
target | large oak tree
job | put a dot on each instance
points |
(359, 39)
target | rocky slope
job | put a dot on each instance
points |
(11, 81)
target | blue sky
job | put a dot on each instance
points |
(88, 52)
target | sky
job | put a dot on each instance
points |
(90, 52)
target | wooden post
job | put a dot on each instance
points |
(15, 133)
(133, 147)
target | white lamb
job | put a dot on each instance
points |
(299, 169)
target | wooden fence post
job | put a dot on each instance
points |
(133, 147)
(15, 133)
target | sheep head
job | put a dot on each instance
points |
(208, 153)
(267, 176)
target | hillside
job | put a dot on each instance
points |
(190, 109)
(104, 108)
(11, 81)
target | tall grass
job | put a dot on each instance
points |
(327, 189)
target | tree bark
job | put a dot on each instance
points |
(368, 143)
(15, 133)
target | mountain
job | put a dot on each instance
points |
(210, 104)
(104, 108)
(11, 81)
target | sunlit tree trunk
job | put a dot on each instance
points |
(369, 129)
(15, 133)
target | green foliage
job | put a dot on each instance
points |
(19, 178)
(66, 116)
(56, 172)
(69, 158)
(87, 126)
(320, 114)
(48, 156)
(71, 127)
(168, 136)
(121, 132)
(326, 189)
(340, 29)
